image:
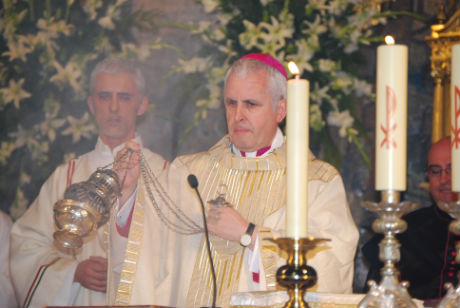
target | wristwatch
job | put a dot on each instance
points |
(246, 238)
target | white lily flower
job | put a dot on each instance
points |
(303, 56)
(336, 7)
(14, 93)
(8, 24)
(277, 32)
(320, 5)
(195, 64)
(6, 149)
(70, 74)
(19, 205)
(341, 119)
(21, 136)
(91, 6)
(218, 34)
(209, 5)
(327, 65)
(203, 26)
(142, 51)
(342, 81)
(50, 126)
(214, 96)
(79, 128)
(112, 13)
(316, 27)
(318, 94)
(223, 19)
(362, 87)
(251, 36)
(265, 2)
(106, 22)
(316, 117)
(54, 28)
(19, 48)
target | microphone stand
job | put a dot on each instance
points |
(193, 182)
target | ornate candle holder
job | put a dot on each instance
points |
(452, 297)
(390, 292)
(296, 276)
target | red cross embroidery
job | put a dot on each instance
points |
(454, 127)
(390, 127)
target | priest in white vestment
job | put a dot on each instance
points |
(44, 275)
(251, 162)
(7, 296)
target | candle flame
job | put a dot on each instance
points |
(293, 68)
(389, 40)
(438, 27)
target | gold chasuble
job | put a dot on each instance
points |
(256, 188)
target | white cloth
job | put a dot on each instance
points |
(150, 270)
(275, 299)
(7, 296)
(257, 190)
(41, 274)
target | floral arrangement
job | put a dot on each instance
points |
(47, 51)
(323, 37)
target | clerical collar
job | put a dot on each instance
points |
(276, 143)
(105, 149)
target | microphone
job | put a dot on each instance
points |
(193, 182)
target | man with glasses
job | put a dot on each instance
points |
(427, 246)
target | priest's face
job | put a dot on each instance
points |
(439, 171)
(251, 119)
(116, 103)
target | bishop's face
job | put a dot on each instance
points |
(251, 120)
(116, 103)
(439, 172)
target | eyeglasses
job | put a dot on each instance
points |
(436, 170)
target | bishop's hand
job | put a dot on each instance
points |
(227, 223)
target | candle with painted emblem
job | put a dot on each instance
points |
(297, 144)
(391, 116)
(455, 117)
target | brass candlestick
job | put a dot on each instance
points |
(452, 297)
(296, 276)
(389, 293)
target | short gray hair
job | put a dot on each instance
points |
(117, 65)
(276, 80)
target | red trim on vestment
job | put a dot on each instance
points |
(33, 287)
(256, 277)
(70, 171)
(124, 230)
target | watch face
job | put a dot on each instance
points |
(245, 240)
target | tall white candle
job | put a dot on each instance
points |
(391, 118)
(297, 157)
(455, 117)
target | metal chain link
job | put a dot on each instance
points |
(184, 224)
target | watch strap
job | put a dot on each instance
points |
(250, 229)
